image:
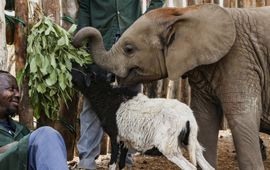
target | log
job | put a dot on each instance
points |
(70, 113)
(267, 2)
(52, 8)
(70, 9)
(20, 43)
(260, 3)
(67, 115)
(230, 3)
(3, 45)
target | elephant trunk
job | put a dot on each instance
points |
(96, 48)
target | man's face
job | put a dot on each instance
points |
(9, 96)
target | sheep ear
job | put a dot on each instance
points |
(197, 35)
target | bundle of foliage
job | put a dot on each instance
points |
(48, 67)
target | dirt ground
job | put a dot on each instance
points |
(226, 157)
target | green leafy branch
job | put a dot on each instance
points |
(49, 63)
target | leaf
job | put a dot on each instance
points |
(33, 66)
(62, 82)
(44, 66)
(53, 62)
(72, 29)
(61, 41)
(41, 88)
(52, 79)
(52, 92)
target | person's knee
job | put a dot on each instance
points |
(47, 130)
(47, 133)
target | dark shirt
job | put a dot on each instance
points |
(16, 156)
(111, 17)
(7, 125)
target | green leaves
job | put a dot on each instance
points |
(50, 57)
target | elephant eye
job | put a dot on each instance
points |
(129, 49)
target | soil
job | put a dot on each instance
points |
(226, 157)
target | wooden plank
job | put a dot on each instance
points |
(52, 7)
(260, 3)
(67, 115)
(191, 2)
(70, 9)
(267, 2)
(249, 3)
(230, 3)
(20, 43)
(185, 94)
(3, 45)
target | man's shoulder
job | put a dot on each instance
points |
(18, 125)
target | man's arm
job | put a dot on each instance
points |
(155, 4)
(84, 14)
(6, 147)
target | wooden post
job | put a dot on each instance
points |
(185, 91)
(216, 1)
(3, 45)
(164, 88)
(172, 89)
(150, 89)
(70, 113)
(260, 3)
(191, 2)
(267, 2)
(249, 3)
(70, 9)
(240, 3)
(66, 124)
(230, 3)
(105, 145)
(20, 43)
(159, 88)
(52, 8)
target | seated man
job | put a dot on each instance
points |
(41, 149)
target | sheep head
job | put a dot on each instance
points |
(84, 76)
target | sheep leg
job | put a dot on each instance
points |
(201, 160)
(181, 161)
(123, 155)
(114, 154)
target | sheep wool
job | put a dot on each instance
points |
(152, 122)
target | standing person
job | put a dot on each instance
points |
(41, 149)
(111, 18)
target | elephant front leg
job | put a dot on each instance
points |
(208, 117)
(243, 114)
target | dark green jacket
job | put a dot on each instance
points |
(111, 17)
(16, 157)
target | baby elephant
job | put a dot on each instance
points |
(139, 122)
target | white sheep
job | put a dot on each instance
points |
(144, 123)
(139, 122)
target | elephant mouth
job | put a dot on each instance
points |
(136, 75)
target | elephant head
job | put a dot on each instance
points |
(165, 42)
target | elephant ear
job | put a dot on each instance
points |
(195, 36)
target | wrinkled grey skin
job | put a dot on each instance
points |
(223, 52)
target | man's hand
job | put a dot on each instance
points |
(6, 147)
